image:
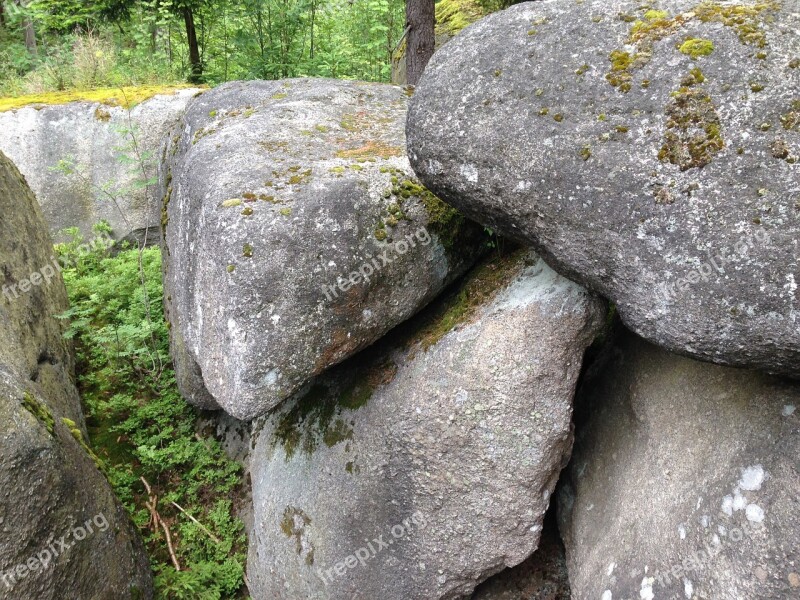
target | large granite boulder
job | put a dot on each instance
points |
(295, 235)
(618, 139)
(423, 468)
(102, 149)
(63, 531)
(684, 481)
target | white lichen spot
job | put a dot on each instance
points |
(611, 568)
(739, 502)
(271, 378)
(754, 513)
(646, 593)
(791, 286)
(607, 595)
(788, 410)
(688, 589)
(705, 521)
(523, 186)
(682, 532)
(752, 478)
(470, 173)
(727, 505)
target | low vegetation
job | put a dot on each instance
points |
(179, 487)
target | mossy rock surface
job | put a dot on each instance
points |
(275, 194)
(650, 151)
(452, 426)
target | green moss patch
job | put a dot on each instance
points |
(454, 15)
(658, 25)
(482, 284)
(694, 131)
(320, 415)
(696, 48)
(39, 410)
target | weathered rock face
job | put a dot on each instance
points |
(31, 340)
(92, 137)
(295, 236)
(62, 527)
(421, 470)
(684, 481)
(621, 142)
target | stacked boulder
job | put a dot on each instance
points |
(295, 235)
(441, 449)
(642, 165)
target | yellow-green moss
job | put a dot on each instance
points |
(695, 48)
(126, 97)
(791, 120)
(454, 15)
(654, 15)
(658, 25)
(38, 410)
(695, 77)
(76, 433)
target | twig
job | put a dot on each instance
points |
(157, 520)
(198, 523)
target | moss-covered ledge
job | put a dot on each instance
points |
(126, 97)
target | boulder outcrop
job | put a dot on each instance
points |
(684, 480)
(617, 138)
(419, 469)
(295, 235)
(88, 161)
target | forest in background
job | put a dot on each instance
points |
(56, 45)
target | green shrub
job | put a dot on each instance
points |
(141, 427)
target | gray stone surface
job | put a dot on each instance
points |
(665, 182)
(93, 136)
(50, 483)
(444, 444)
(684, 481)
(274, 191)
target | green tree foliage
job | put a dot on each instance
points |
(147, 41)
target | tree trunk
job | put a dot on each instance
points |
(2, 14)
(195, 63)
(420, 20)
(30, 33)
